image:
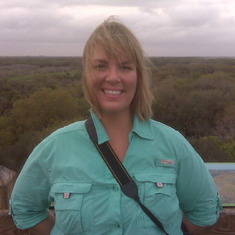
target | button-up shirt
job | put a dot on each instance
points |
(66, 170)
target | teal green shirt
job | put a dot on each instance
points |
(66, 169)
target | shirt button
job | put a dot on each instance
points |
(115, 188)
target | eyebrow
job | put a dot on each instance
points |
(106, 61)
(100, 61)
(126, 62)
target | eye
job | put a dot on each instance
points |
(101, 67)
(126, 67)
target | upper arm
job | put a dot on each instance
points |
(196, 189)
(29, 200)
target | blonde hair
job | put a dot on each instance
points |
(114, 37)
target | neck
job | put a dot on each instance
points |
(117, 123)
(118, 127)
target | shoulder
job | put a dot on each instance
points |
(160, 125)
(163, 130)
(72, 132)
(75, 128)
(155, 130)
(173, 139)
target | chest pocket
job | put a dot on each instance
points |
(158, 193)
(71, 202)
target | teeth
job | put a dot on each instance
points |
(109, 92)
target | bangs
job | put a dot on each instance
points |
(116, 40)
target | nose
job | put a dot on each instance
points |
(113, 75)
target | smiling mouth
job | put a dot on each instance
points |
(111, 92)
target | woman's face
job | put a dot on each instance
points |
(114, 82)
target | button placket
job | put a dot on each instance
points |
(115, 209)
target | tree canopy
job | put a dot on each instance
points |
(196, 96)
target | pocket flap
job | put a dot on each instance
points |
(167, 177)
(71, 187)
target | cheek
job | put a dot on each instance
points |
(93, 82)
(133, 83)
(96, 79)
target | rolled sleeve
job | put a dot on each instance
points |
(206, 213)
(198, 194)
(24, 219)
(29, 201)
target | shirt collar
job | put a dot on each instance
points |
(141, 128)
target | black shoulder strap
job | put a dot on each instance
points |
(127, 184)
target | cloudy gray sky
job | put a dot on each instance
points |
(164, 27)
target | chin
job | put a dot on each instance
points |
(115, 111)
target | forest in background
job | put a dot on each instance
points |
(194, 95)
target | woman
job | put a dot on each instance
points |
(67, 169)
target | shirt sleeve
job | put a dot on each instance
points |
(29, 201)
(197, 192)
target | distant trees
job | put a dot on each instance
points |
(193, 95)
(200, 103)
(42, 109)
(36, 97)
(34, 117)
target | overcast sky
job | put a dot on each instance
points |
(164, 27)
